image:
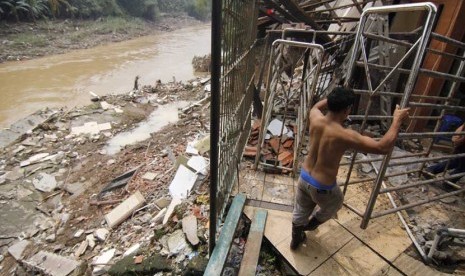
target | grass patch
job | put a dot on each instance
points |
(117, 25)
(29, 39)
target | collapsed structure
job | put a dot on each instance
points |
(390, 52)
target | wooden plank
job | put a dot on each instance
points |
(218, 257)
(254, 242)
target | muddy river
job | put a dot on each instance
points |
(66, 80)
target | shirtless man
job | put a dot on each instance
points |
(328, 142)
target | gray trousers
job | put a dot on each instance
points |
(308, 197)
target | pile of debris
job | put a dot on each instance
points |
(278, 147)
(65, 199)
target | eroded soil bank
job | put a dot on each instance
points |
(21, 41)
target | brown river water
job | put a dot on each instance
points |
(66, 80)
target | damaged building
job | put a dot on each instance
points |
(212, 192)
(398, 216)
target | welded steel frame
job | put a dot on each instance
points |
(305, 93)
(360, 50)
(234, 25)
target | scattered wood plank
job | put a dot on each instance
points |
(218, 257)
(254, 242)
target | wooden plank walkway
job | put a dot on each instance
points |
(254, 242)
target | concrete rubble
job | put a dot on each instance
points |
(53, 174)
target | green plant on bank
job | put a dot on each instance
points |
(14, 7)
(24, 40)
(38, 9)
(27, 10)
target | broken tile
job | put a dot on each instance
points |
(276, 126)
(125, 209)
(52, 264)
(199, 164)
(274, 143)
(182, 183)
(189, 227)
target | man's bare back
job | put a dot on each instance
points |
(328, 141)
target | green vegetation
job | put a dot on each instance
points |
(30, 10)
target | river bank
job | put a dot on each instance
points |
(24, 41)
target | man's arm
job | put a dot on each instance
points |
(459, 139)
(318, 108)
(384, 145)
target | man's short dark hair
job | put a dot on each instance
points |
(340, 98)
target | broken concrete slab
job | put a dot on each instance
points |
(17, 249)
(90, 241)
(78, 233)
(125, 209)
(176, 242)
(203, 145)
(101, 234)
(182, 183)
(52, 264)
(199, 164)
(21, 127)
(102, 261)
(90, 128)
(81, 249)
(190, 149)
(132, 250)
(189, 227)
(45, 182)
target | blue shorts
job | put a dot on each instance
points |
(312, 181)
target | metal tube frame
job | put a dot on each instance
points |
(304, 92)
(359, 45)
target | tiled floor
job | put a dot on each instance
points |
(338, 247)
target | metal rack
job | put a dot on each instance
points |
(296, 90)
